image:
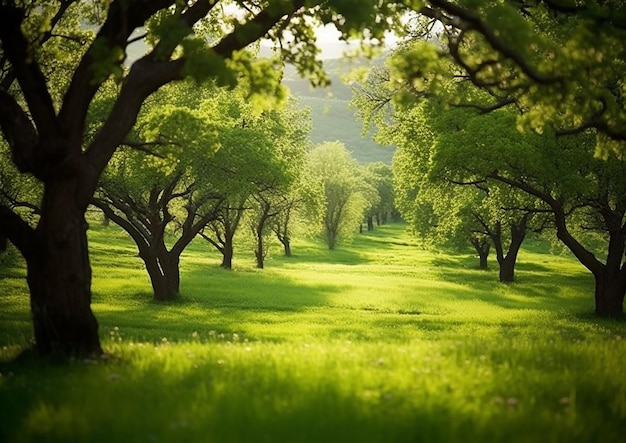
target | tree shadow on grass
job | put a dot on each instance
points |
(213, 299)
(536, 286)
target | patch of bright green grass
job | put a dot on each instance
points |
(379, 341)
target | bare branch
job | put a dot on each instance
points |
(144, 146)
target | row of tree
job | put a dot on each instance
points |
(561, 62)
(204, 162)
(483, 160)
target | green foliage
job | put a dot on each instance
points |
(563, 66)
(344, 186)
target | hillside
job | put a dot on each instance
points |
(332, 117)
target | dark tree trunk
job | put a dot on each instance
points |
(59, 277)
(287, 246)
(507, 262)
(227, 253)
(3, 243)
(482, 259)
(370, 223)
(482, 248)
(507, 270)
(260, 252)
(164, 273)
(609, 294)
(286, 242)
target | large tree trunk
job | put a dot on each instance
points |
(59, 277)
(507, 269)
(508, 261)
(370, 222)
(482, 259)
(609, 294)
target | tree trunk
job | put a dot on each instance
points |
(507, 269)
(507, 262)
(370, 223)
(482, 248)
(331, 239)
(286, 242)
(609, 295)
(227, 253)
(287, 247)
(59, 277)
(259, 252)
(482, 259)
(164, 272)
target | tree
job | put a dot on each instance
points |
(165, 199)
(259, 157)
(369, 190)
(221, 231)
(53, 67)
(344, 204)
(383, 181)
(583, 193)
(301, 209)
(278, 171)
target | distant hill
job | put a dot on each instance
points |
(332, 118)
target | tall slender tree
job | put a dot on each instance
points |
(344, 202)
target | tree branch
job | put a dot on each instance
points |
(463, 19)
(18, 232)
(27, 71)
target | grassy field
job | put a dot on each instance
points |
(377, 342)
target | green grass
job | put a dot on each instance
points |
(379, 341)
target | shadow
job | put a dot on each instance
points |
(213, 301)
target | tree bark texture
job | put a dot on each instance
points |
(609, 296)
(59, 277)
(164, 273)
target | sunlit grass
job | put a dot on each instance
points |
(380, 341)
